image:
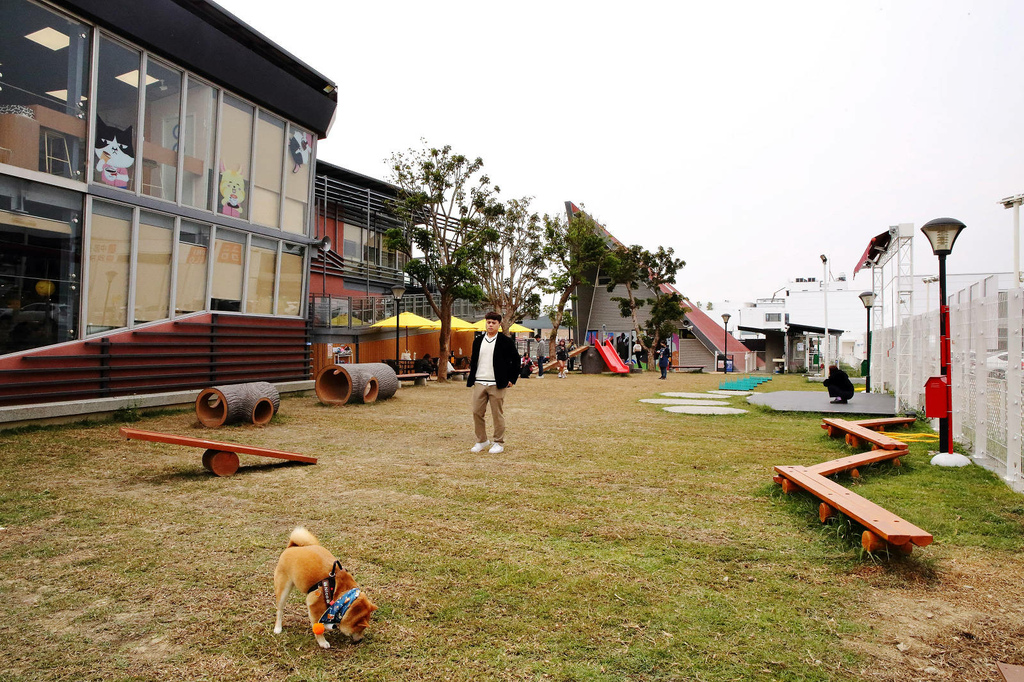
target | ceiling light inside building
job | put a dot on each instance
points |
(132, 78)
(49, 37)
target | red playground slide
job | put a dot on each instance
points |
(611, 358)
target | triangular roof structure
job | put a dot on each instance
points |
(711, 332)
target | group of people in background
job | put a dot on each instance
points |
(563, 353)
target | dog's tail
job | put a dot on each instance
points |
(301, 537)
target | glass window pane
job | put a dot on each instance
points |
(226, 289)
(44, 76)
(40, 247)
(161, 131)
(235, 154)
(353, 242)
(300, 149)
(117, 110)
(289, 291)
(266, 193)
(193, 250)
(198, 136)
(153, 267)
(110, 234)
(262, 262)
(371, 249)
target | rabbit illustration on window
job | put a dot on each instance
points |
(115, 154)
(232, 191)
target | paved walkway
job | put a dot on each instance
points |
(881, 404)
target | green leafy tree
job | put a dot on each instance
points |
(573, 251)
(642, 273)
(512, 261)
(444, 201)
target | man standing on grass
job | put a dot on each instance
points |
(494, 367)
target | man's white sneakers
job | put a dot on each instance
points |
(480, 447)
(497, 449)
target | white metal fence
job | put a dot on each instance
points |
(985, 327)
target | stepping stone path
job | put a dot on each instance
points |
(682, 401)
(703, 409)
(697, 403)
(677, 394)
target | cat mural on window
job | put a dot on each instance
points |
(115, 154)
(299, 147)
(232, 191)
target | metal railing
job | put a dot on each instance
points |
(354, 313)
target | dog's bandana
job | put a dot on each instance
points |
(336, 609)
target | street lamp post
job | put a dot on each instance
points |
(725, 362)
(868, 299)
(928, 281)
(941, 233)
(824, 292)
(1014, 203)
(397, 291)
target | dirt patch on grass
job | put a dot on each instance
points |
(955, 626)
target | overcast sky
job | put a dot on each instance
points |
(749, 136)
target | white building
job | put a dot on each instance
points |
(802, 301)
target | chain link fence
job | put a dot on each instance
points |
(986, 372)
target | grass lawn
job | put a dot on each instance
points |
(610, 541)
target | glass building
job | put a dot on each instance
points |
(156, 184)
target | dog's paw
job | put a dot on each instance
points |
(324, 644)
(277, 629)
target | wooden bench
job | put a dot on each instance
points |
(696, 369)
(459, 373)
(884, 529)
(857, 435)
(220, 459)
(851, 463)
(420, 378)
(880, 424)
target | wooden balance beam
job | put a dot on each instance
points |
(220, 459)
(881, 423)
(884, 529)
(551, 364)
(851, 462)
(857, 435)
(1011, 673)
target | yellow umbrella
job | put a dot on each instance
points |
(459, 325)
(515, 328)
(407, 320)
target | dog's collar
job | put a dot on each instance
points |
(337, 609)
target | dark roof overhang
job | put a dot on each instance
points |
(206, 39)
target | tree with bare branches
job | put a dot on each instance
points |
(512, 262)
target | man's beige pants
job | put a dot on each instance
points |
(494, 396)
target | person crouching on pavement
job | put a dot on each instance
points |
(493, 368)
(839, 385)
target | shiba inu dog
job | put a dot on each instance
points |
(332, 596)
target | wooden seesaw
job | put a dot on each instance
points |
(220, 459)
